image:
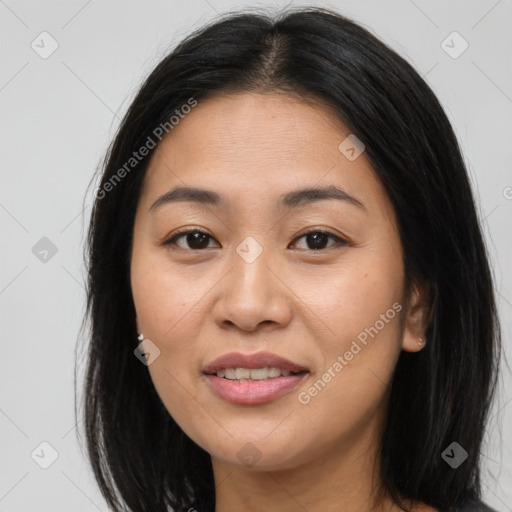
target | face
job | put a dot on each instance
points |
(312, 285)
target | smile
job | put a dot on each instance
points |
(241, 374)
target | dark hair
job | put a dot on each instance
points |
(141, 458)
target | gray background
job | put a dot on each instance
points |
(57, 117)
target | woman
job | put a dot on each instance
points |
(290, 298)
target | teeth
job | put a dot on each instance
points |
(242, 373)
(253, 373)
(230, 373)
(274, 372)
(262, 373)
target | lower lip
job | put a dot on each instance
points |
(253, 392)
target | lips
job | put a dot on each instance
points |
(250, 361)
(277, 376)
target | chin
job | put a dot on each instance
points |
(256, 454)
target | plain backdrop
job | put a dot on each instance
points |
(60, 111)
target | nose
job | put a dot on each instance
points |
(253, 296)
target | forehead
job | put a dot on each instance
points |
(259, 145)
(255, 125)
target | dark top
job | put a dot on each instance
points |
(470, 505)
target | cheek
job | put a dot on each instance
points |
(166, 299)
(362, 307)
(168, 307)
(356, 294)
(357, 364)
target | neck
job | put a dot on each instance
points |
(345, 477)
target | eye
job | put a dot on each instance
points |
(318, 239)
(196, 238)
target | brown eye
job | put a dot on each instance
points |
(195, 239)
(317, 240)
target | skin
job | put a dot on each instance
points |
(305, 305)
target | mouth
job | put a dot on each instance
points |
(264, 362)
(252, 379)
(254, 374)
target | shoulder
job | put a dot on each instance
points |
(470, 505)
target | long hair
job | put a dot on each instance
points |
(141, 458)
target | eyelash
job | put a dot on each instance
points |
(176, 236)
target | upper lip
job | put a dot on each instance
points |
(258, 360)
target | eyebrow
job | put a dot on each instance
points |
(301, 197)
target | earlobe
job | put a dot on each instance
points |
(416, 319)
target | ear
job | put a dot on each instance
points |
(137, 325)
(417, 318)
